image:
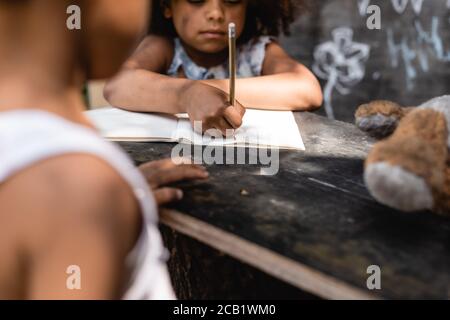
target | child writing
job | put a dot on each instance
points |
(73, 206)
(182, 65)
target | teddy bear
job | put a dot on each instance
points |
(409, 168)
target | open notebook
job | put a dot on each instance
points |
(260, 129)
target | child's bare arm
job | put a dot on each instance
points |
(285, 84)
(74, 211)
(142, 86)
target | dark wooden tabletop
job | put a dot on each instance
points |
(314, 224)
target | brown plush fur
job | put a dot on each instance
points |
(419, 145)
(386, 108)
(443, 199)
(380, 118)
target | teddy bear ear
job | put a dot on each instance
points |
(379, 119)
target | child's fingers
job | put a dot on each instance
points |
(233, 115)
(240, 108)
(151, 166)
(167, 195)
(178, 173)
(224, 127)
(157, 165)
(181, 160)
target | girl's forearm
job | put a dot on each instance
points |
(283, 91)
(144, 91)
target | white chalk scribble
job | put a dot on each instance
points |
(416, 53)
(363, 5)
(399, 6)
(342, 63)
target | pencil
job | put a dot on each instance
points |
(232, 62)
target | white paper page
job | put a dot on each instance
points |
(260, 128)
(269, 129)
(120, 125)
(186, 134)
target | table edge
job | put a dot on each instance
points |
(268, 261)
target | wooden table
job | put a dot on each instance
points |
(311, 229)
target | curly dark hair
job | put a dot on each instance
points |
(264, 17)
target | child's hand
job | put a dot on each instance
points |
(163, 172)
(211, 106)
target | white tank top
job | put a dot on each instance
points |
(29, 136)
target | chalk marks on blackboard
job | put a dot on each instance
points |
(399, 6)
(342, 63)
(363, 5)
(416, 53)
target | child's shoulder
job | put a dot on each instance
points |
(63, 198)
(158, 44)
(161, 41)
(161, 50)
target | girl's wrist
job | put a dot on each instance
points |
(217, 83)
(184, 95)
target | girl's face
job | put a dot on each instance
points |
(203, 24)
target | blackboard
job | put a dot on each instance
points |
(407, 60)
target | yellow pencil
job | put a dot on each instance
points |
(232, 62)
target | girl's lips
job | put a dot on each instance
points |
(213, 34)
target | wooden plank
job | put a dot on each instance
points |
(280, 267)
(199, 271)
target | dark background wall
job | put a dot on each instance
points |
(407, 61)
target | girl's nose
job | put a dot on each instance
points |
(215, 11)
